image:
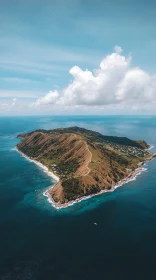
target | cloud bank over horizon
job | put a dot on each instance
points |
(116, 81)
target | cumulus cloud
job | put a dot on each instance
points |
(50, 98)
(114, 82)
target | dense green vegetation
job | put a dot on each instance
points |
(66, 169)
(92, 189)
(72, 188)
(96, 136)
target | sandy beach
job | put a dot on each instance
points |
(46, 170)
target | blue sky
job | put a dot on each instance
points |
(42, 40)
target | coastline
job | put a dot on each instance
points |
(127, 179)
(131, 176)
(46, 170)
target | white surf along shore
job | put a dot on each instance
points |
(131, 177)
(46, 170)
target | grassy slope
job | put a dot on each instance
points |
(84, 160)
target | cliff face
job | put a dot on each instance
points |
(85, 161)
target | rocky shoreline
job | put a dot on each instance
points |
(131, 176)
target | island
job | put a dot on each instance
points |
(84, 162)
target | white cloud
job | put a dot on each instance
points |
(50, 98)
(6, 106)
(13, 102)
(118, 49)
(16, 80)
(115, 82)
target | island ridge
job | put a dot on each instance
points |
(85, 161)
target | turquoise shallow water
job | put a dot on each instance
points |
(40, 242)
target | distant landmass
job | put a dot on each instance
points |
(85, 162)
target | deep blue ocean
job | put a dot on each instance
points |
(39, 242)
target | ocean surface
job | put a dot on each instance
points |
(39, 242)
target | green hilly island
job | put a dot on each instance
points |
(85, 161)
